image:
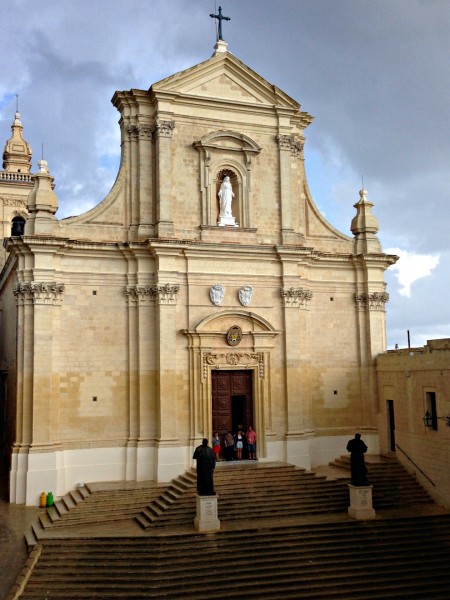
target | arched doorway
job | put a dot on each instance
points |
(239, 374)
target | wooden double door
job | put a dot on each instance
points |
(232, 400)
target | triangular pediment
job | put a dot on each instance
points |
(226, 77)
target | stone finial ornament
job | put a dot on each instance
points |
(364, 226)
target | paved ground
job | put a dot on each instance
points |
(14, 522)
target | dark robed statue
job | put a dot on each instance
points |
(357, 449)
(206, 464)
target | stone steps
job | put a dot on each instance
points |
(392, 558)
(261, 492)
(86, 506)
(286, 491)
(246, 490)
(392, 484)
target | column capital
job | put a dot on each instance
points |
(296, 297)
(163, 128)
(371, 301)
(284, 142)
(161, 294)
(294, 144)
(39, 292)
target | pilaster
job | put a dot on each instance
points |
(370, 307)
(38, 306)
(162, 132)
(133, 140)
(296, 302)
(145, 228)
(142, 380)
(284, 147)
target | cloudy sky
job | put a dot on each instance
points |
(374, 73)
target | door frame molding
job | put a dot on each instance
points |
(208, 351)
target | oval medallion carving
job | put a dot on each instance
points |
(234, 335)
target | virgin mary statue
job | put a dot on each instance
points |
(226, 195)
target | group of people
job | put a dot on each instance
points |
(207, 458)
(232, 447)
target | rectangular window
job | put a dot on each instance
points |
(431, 408)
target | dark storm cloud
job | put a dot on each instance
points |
(374, 73)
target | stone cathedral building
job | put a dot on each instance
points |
(165, 313)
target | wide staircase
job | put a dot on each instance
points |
(285, 534)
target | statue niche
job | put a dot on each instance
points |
(222, 154)
(228, 192)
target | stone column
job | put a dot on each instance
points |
(162, 132)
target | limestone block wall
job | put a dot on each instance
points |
(405, 377)
(8, 356)
(93, 361)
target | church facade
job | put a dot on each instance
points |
(180, 306)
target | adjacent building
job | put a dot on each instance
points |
(414, 390)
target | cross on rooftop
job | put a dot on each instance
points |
(220, 18)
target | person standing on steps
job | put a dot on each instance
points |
(357, 449)
(239, 444)
(206, 464)
(216, 445)
(251, 443)
(229, 446)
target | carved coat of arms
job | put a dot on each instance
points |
(217, 294)
(245, 295)
(234, 335)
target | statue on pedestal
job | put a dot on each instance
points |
(357, 449)
(226, 196)
(206, 463)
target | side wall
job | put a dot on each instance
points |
(405, 377)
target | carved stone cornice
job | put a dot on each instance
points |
(371, 301)
(39, 292)
(240, 359)
(161, 294)
(296, 297)
(163, 128)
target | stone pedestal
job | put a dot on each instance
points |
(361, 502)
(227, 221)
(206, 520)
